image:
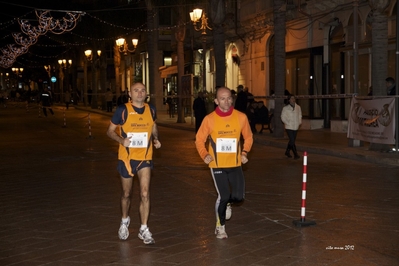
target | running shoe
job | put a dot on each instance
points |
(220, 232)
(124, 229)
(146, 236)
(229, 211)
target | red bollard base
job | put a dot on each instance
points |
(303, 223)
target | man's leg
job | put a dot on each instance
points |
(222, 187)
(127, 184)
(144, 175)
(237, 183)
(125, 206)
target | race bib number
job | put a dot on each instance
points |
(138, 140)
(226, 145)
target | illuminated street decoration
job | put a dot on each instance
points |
(24, 41)
(59, 26)
(46, 23)
(33, 31)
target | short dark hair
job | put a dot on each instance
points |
(390, 79)
(290, 95)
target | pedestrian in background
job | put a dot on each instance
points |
(171, 104)
(391, 86)
(123, 98)
(222, 129)
(109, 97)
(67, 98)
(3, 97)
(199, 107)
(272, 104)
(89, 95)
(46, 100)
(138, 135)
(241, 100)
(250, 96)
(291, 115)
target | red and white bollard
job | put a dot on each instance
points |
(302, 221)
(64, 125)
(89, 124)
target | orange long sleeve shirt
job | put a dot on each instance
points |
(224, 135)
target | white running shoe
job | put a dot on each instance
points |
(124, 230)
(146, 236)
(229, 211)
(220, 232)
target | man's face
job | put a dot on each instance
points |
(224, 99)
(138, 93)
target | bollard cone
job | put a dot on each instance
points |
(302, 222)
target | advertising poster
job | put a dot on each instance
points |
(372, 120)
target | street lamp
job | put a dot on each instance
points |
(64, 64)
(48, 69)
(196, 16)
(17, 70)
(91, 97)
(123, 46)
(89, 54)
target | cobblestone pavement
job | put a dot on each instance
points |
(59, 194)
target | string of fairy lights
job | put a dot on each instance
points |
(46, 23)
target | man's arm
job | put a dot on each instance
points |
(248, 138)
(157, 143)
(201, 138)
(113, 135)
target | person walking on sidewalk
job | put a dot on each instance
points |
(291, 115)
(138, 135)
(46, 100)
(224, 127)
(67, 99)
(241, 100)
(199, 107)
(109, 97)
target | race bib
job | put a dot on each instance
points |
(138, 140)
(226, 145)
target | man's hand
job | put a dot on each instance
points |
(126, 142)
(157, 144)
(244, 158)
(208, 159)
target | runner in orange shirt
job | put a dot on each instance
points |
(138, 134)
(224, 127)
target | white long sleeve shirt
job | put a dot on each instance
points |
(291, 117)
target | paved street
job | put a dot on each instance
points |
(59, 194)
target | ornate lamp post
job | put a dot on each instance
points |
(93, 95)
(64, 64)
(197, 16)
(48, 69)
(18, 72)
(123, 48)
